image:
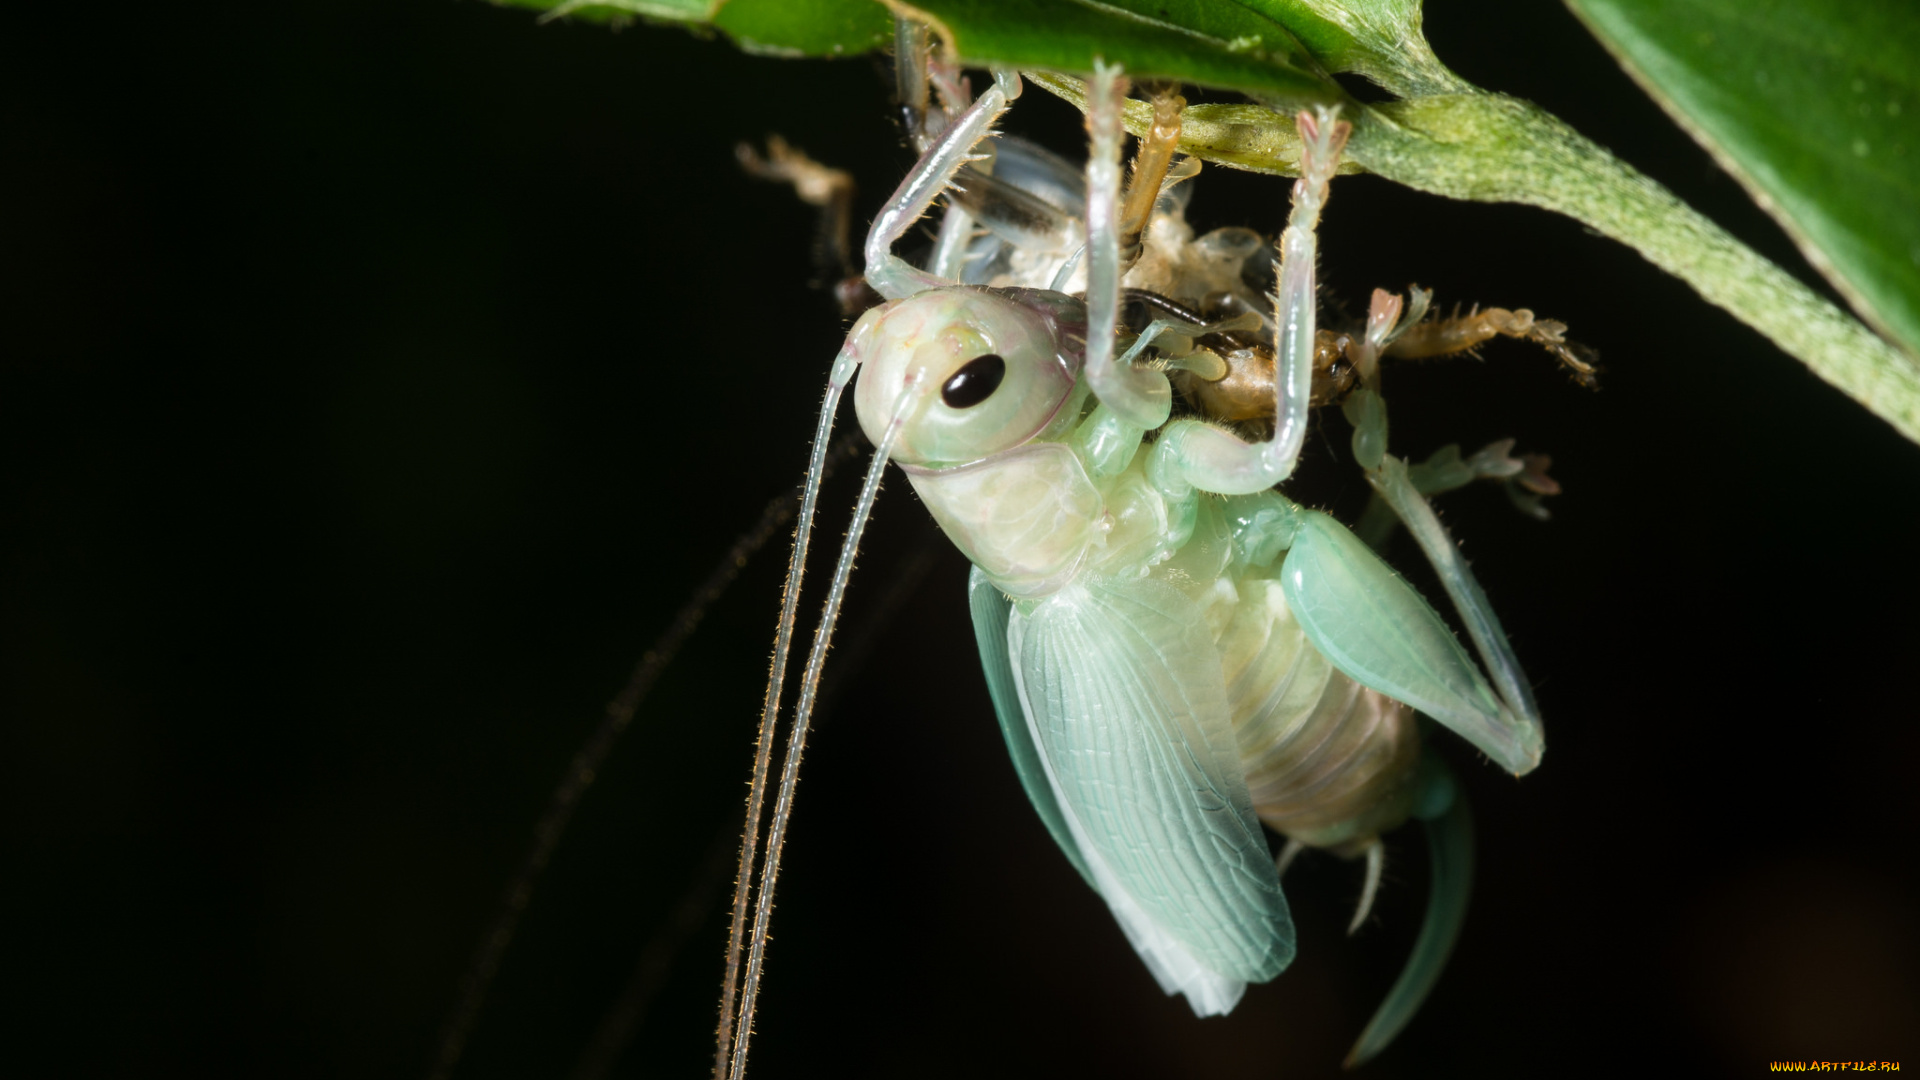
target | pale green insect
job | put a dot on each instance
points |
(1176, 652)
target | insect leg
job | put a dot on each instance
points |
(1191, 454)
(1525, 479)
(910, 79)
(1516, 729)
(1462, 333)
(1374, 627)
(890, 275)
(1150, 164)
(956, 226)
(1140, 397)
(1483, 626)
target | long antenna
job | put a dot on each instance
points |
(893, 278)
(797, 737)
(624, 1016)
(586, 765)
(769, 721)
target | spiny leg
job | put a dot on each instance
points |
(1462, 333)
(1524, 478)
(1483, 626)
(1150, 163)
(1191, 454)
(890, 275)
(917, 72)
(1519, 718)
(949, 257)
(910, 79)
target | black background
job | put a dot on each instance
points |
(380, 377)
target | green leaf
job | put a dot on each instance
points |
(696, 12)
(772, 27)
(1205, 42)
(1492, 148)
(1857, 215)
(1381, 39)
(806, 27)
(1815, 106)
(1216, 43)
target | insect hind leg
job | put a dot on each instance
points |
(1524, 479)
(1515, 729)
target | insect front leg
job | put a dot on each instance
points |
(1191, 454)
(1140, 397)
(889, 274)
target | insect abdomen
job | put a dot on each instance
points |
(1328, 762)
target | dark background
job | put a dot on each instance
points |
(380, 377)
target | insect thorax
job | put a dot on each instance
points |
(1327, 761)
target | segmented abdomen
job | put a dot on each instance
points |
(1328, 762)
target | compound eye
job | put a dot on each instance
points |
(975, 382)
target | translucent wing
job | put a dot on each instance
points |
(991, 610)
(1127, 708)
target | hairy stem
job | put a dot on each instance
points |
(1492, 148)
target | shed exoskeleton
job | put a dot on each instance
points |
(1177, 653)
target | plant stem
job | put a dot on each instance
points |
(1492, 148)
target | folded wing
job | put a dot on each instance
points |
(1126, 709)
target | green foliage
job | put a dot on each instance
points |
(1811, 103)
(1204, 42)
(774, 27)
(1815, 106)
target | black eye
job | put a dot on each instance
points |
(975, 382)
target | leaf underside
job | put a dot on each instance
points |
(1203, 42)
(1815, 106)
